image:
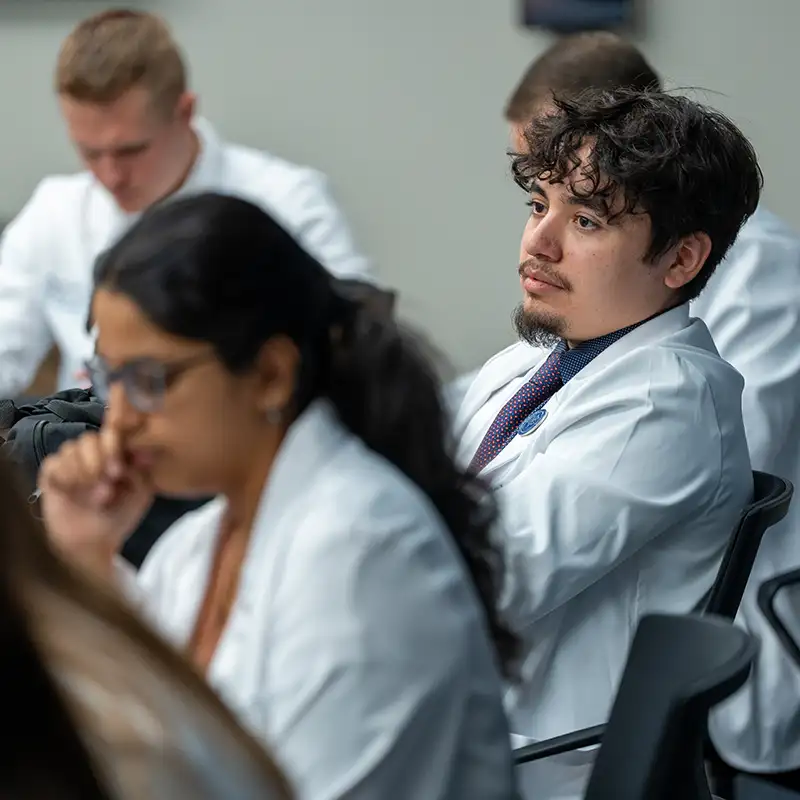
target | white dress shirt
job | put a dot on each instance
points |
(619, 504)
(48, 251)
(356, 648)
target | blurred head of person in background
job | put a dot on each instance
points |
(122, 87)
(573, 64)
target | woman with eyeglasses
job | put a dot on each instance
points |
(341, 593)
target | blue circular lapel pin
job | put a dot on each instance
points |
(532, 422)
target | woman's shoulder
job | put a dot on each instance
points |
(360, 485)
(367, 517)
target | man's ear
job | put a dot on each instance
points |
(688, 258)
(186, 107)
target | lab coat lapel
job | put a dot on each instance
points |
(665, 324)
(520, 359)
(310, 444)
(510, 363)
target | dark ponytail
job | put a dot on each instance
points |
(383, 383)
(218, 269)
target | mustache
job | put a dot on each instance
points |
(547, 271)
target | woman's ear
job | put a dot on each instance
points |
(276, 369)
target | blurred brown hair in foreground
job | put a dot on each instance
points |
(97, 706)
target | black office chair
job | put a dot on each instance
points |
(767, 595)
(743, 786)
(771, 498)
(678, 669)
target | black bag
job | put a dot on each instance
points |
(36, 430)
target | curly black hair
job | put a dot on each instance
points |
(687, 166)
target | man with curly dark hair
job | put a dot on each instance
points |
(751, 306)
(612, 433)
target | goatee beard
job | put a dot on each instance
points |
(539, 330)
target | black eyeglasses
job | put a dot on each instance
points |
(144, 380)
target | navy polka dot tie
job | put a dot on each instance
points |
(538, 390)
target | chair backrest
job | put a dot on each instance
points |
(678, 668)
(767, 595)
(771, 498)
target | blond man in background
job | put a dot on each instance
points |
(122, 88)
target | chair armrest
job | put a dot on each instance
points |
(559, 744)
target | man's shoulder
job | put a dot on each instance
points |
(54, 205)
(300, 199)
(680, 377)
(760, 273)
(262, 176)
(64, 187)
(689, 352)
(766, 244)
(765, 226)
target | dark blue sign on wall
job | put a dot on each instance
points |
(571, 16)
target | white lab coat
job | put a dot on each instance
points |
(47, 253)
(752, 307)
(356, 647)
(619, 504)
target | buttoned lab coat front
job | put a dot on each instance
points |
(619, 504)
(48, 251)
(356, 647)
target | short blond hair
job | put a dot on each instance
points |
(115, 51)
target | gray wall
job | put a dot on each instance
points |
(400, 101)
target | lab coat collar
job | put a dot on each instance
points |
(207, 170)
(519, 359)
(654, 329)
(310, 443)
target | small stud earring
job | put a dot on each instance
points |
(274, 416)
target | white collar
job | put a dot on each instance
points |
(206, 171)
(518, 359)
(305, 449)
(305, 452)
